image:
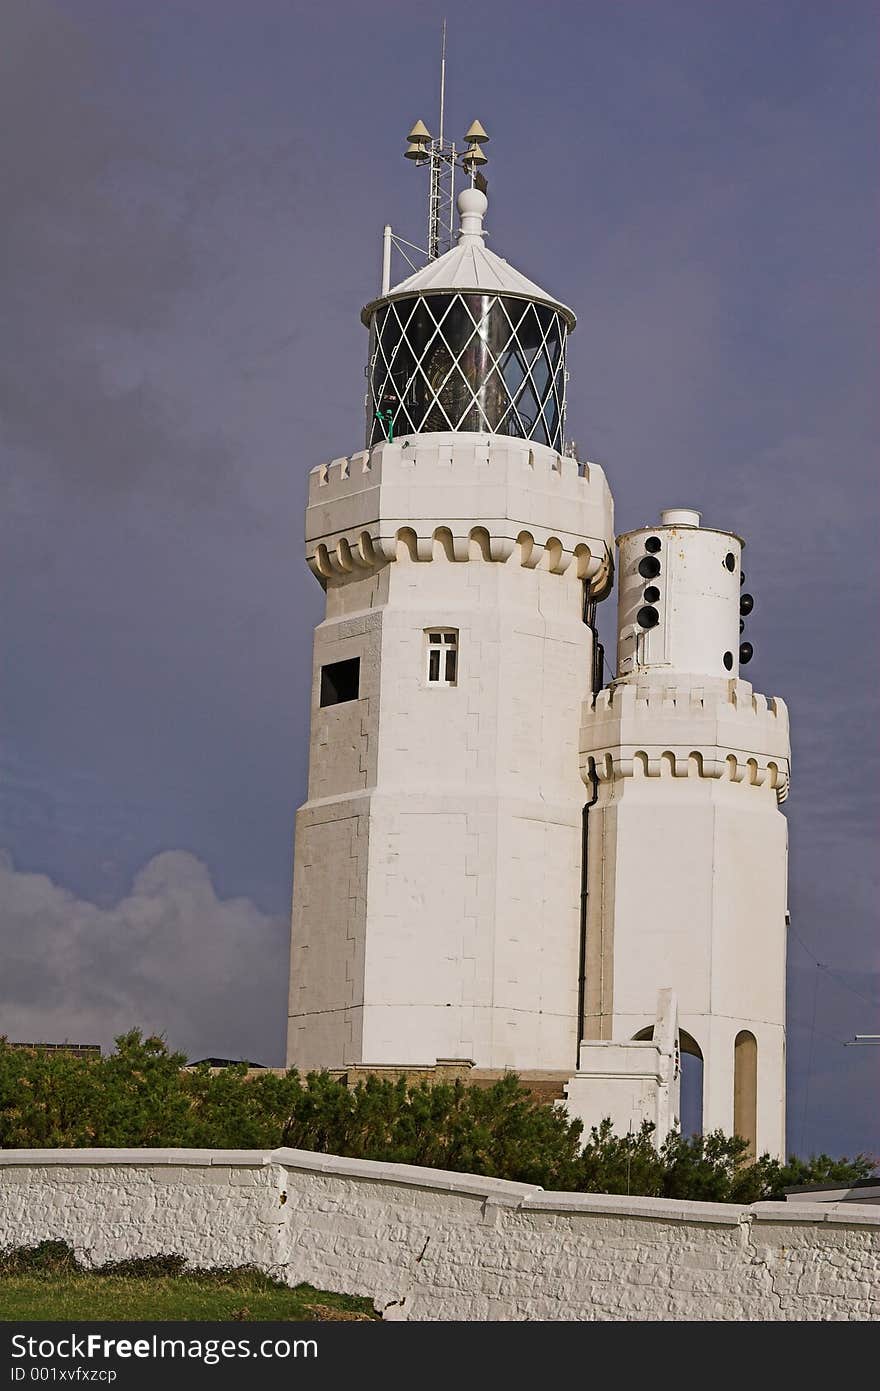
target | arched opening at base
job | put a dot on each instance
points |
(691, 1094)
(745, 1089)
(691, 1100)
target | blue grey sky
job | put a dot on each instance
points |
(194, 192)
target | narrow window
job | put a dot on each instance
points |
(340, 681)
(442, 656)
(745, 1089)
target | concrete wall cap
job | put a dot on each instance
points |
(410, 1174)
(196, 1158)
(656, 1209)
(839, 1214)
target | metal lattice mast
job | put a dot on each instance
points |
(441, 198)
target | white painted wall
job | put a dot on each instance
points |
(437, 866)
(429, 1245)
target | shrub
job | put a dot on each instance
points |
(141, 1096)
(47, 1258)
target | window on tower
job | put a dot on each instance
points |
(442, 656)
(340, 681)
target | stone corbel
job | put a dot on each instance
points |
(501, 547)
(530, 554)
(344, 558)
(558, 558)
(385, 547)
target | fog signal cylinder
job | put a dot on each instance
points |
(679, 599)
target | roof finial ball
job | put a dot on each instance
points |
(472, 206)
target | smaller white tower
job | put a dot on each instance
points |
(687, 849)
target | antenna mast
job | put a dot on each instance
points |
(443, 159)
(442, 78)
(441, 197)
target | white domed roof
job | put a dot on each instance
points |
(470, 266)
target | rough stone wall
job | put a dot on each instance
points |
(214, 1207)
(430, 1245)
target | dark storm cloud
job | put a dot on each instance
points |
(87, 262)
(102, 253)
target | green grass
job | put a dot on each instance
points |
(45, 1283)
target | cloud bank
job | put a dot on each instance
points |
(171, 957)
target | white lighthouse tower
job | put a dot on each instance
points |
(499, 861)
(437, 882)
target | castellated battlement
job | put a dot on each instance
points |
(460, 497)
(458, 452)
(719, 731)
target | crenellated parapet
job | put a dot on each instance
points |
(721, 731)
(460, 497)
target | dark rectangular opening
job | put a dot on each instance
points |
(340, 681)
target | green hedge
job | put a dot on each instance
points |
(141, 1096)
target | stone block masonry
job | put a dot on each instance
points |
(429, 1245)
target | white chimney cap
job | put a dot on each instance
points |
(679, 516)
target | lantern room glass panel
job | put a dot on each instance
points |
(467, 362)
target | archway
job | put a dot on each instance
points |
(691, 1088)
(691, 1094)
